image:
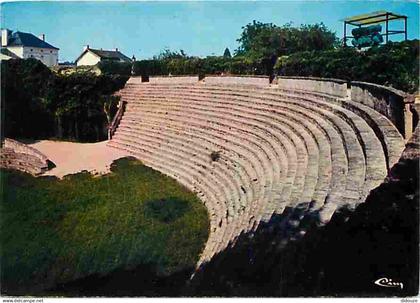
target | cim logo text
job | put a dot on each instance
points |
(385, 282)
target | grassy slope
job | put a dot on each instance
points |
(55, 231)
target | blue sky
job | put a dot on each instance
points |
(199, 28)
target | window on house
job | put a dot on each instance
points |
(42, 50)
(50, 52)
(32, 56)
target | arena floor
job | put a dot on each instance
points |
(71, 157)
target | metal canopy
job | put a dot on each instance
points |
(375, 18)
(372, 18)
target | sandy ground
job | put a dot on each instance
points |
(72, 157)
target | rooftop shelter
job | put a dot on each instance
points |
(375, 18)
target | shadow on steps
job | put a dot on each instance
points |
(344, 258)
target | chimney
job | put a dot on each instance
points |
(116, 49)
(133, 59)
(85, 47)
(42, 37)
(5, 37)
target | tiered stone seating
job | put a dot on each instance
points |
(280, 150)
(18, 156)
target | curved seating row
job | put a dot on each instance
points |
(277, 149)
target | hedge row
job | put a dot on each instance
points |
(187, 66)
(112, 68)
(209, 65)
(392, 64)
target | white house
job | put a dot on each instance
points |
(26, 45)
(91, 56)
(5, 54)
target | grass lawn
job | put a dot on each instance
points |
(54, 231)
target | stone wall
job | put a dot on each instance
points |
(412, 150)
(165, 79)
(19, 156)
(390, 102)
(415, 109)
(333, 87)
(241, 80)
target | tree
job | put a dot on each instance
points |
(262, 40)
(227, 54)
(258, 40)
(266, 41)
(167, 54)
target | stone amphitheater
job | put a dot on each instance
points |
(251, 148)
(314, 144)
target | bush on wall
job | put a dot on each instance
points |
(393, 64)
(115, 68)
(24, 84)
(212, 65)
(39, 104)
(77, 101)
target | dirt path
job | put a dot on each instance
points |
(72, 157)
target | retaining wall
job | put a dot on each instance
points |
(412, 150)
(240, 80)
(333, 87)
(165, 79)
(390, 102)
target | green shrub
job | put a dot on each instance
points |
(77, 101)
(24, 84)
(392, 64)
(115, 68)
(40, 104)
(150, 67)
(211, 65)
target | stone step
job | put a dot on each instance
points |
(251, 118)
(370, 154)
(310, 153)
(143, 143)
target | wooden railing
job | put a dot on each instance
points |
(116, 120)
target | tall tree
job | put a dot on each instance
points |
(227, 54)
(267, 41)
